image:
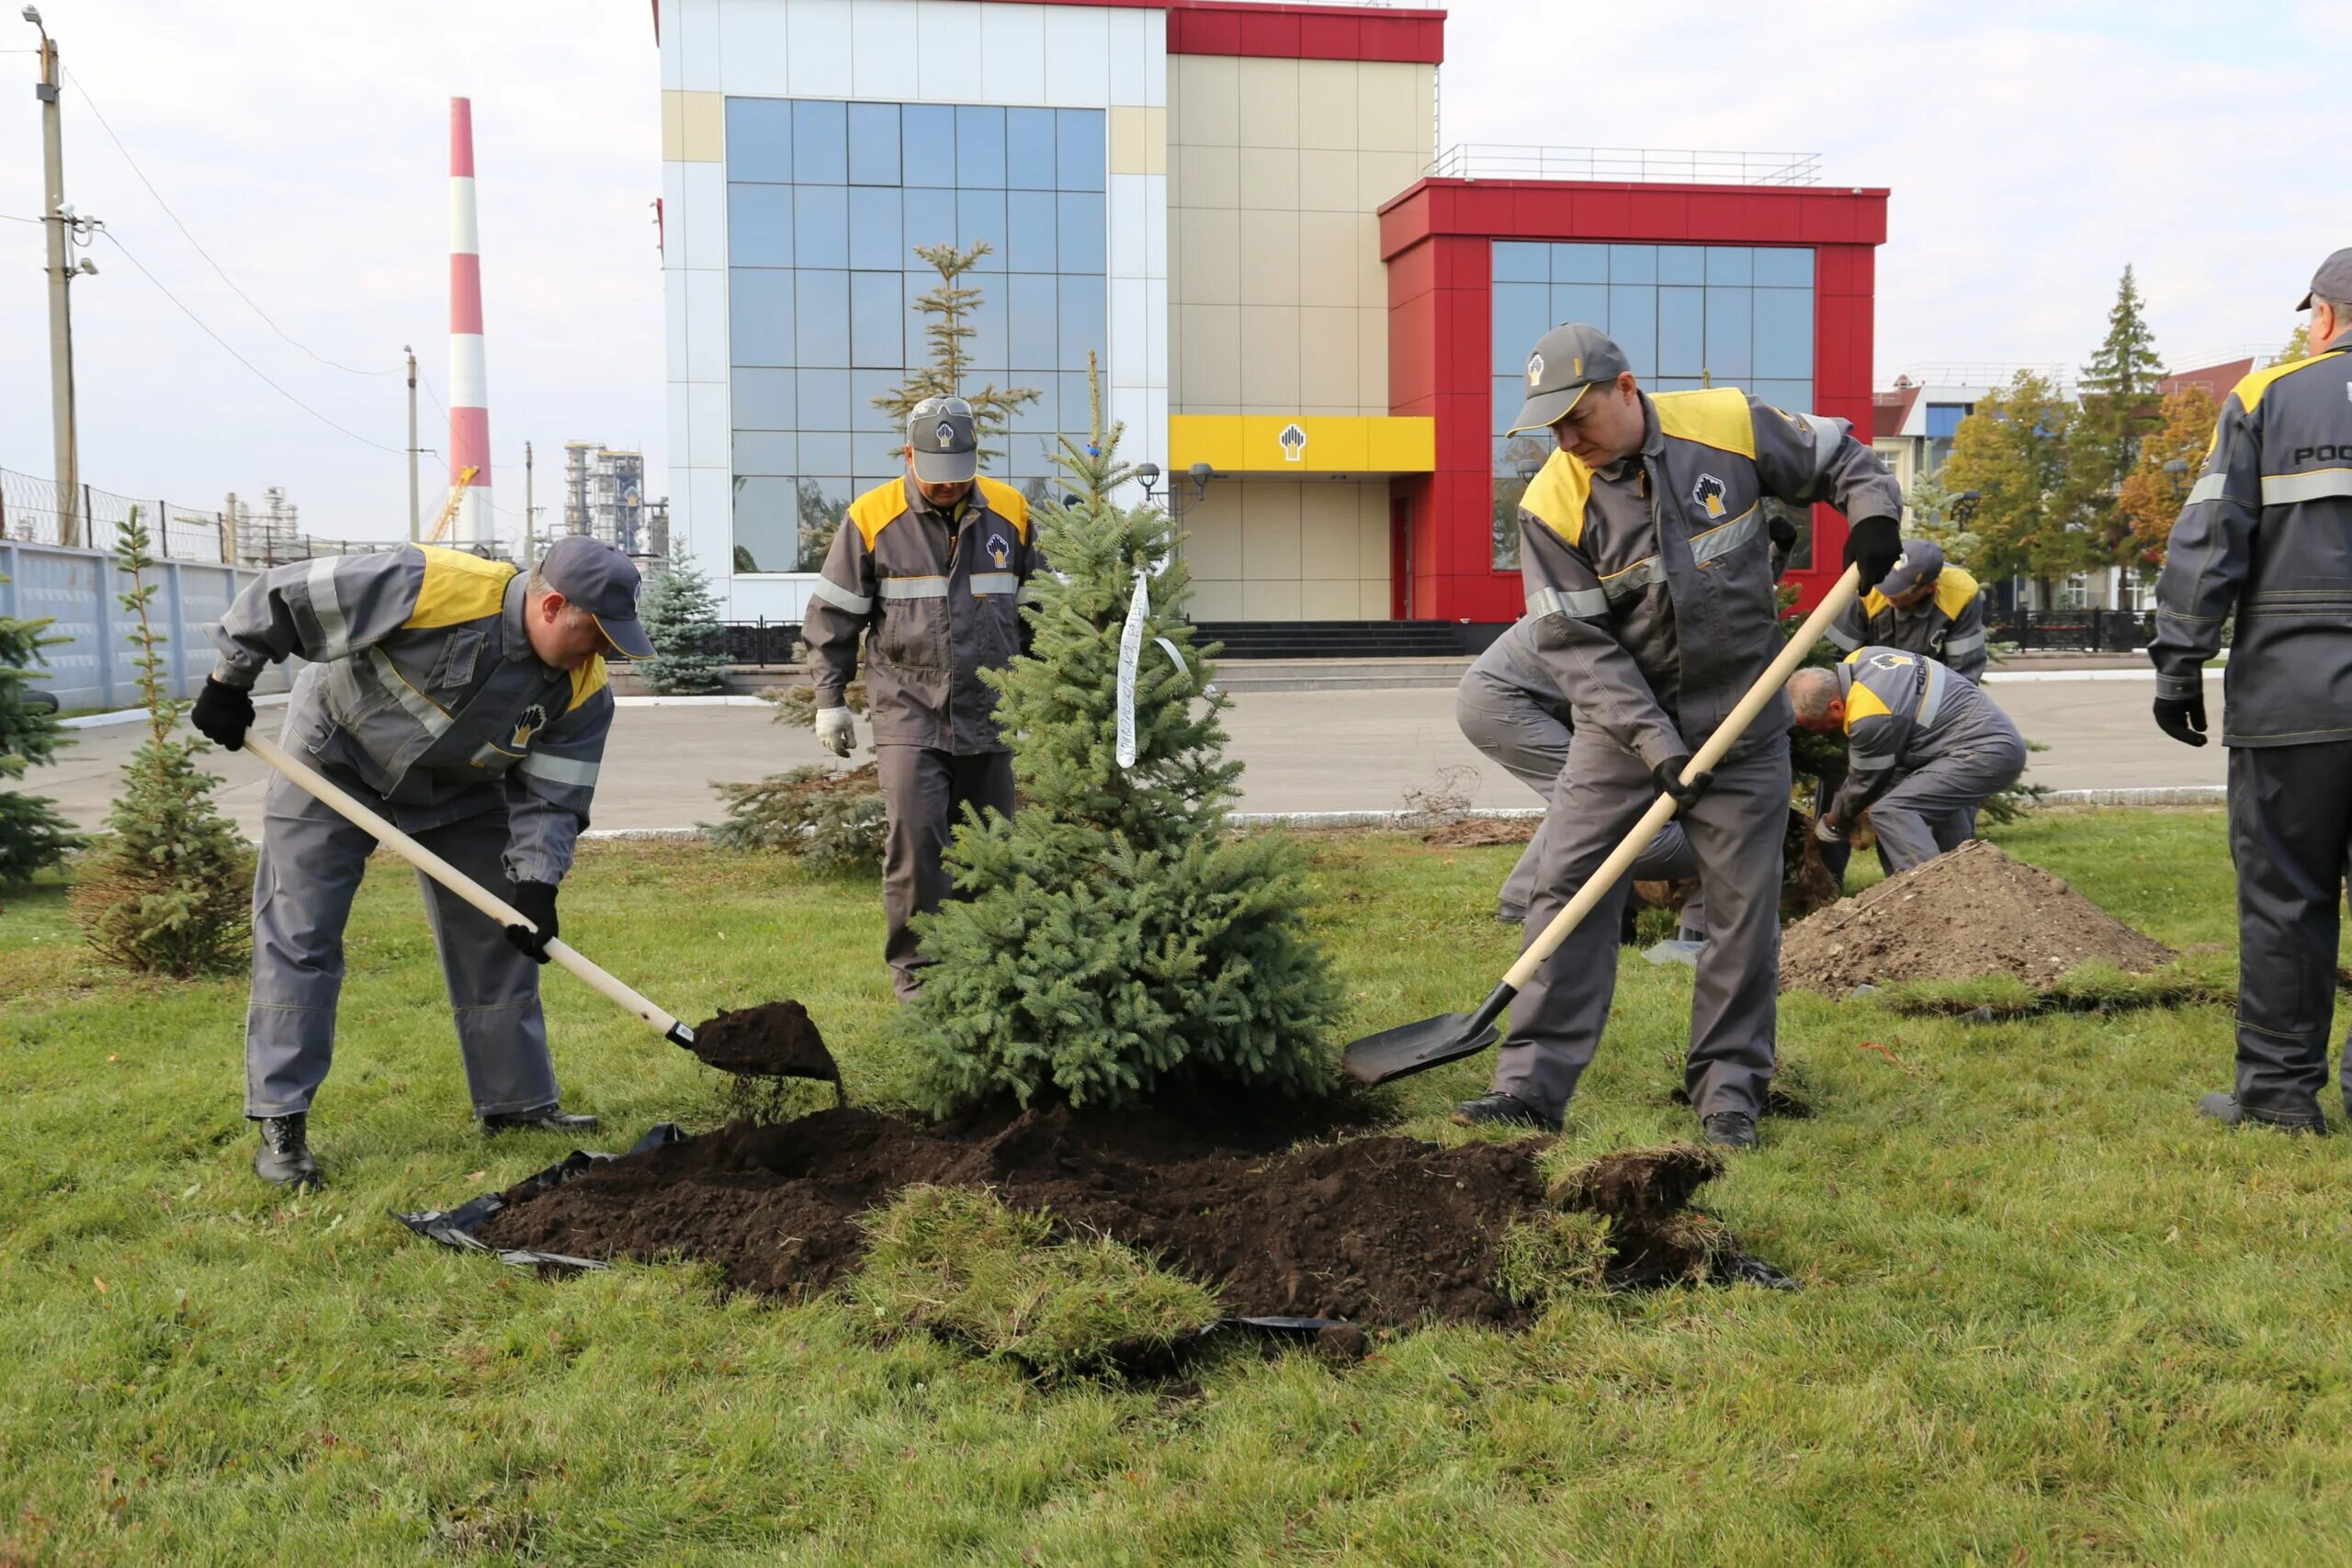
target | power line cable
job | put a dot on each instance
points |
(191, 239)
(216, 337)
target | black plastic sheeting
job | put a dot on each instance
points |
(455, 1227)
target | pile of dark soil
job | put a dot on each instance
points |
(1972, 912)
(1483, 833)
(773, 1040)
(1381, 1230)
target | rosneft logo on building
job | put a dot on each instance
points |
(1294, 440)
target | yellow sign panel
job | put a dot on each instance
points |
(1309, 444)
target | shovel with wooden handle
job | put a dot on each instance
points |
(1416, 1047)
(464, 887)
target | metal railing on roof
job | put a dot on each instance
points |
(1504, 161)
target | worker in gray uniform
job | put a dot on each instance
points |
(1924, 606)
(1648, 572)
(1924, 748)
(470, 699)
(931, 569)
(2267, 533)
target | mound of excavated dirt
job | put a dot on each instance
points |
(1373, 1229)
(1483, 833)
(1970, 913)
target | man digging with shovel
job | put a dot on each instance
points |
(469, 700)
(1648, 567)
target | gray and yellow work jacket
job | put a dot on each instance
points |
(2267, 533)
(937, 599)
(423, 685)
(1949, 626)
(1905, 710)
(1652, 576)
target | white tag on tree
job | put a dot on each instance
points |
(1130, 652)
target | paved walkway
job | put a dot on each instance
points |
(1305, 751)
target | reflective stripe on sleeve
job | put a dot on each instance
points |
(841, 598)
(986, 582)
(1726, 538)
(1932, 698)
(559, 770)
(1838, 635)
(1826, 439)
(2283, 489)
(326, 607)
(1581, 603)
(422, 708)
(2207, 489)
(913, 588)
(1634, 579)
(1973, 643)
(1029, 594)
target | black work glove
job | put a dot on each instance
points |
(2182, 718)
(1668, 775)
(1874, 542)
(536, 902)
(222, 714)
(1781, 529)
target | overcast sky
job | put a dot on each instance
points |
(2032, 150)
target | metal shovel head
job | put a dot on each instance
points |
(1416, 1047)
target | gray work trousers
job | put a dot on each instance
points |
(1512, 727)
(311, 863)
(1734, 831)
(923, 793)
(2290, 833)
(1932, 809)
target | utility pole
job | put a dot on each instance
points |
(526, 507)
(55, 220)
(416, 518)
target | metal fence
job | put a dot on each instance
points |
(29, 514)
(1502, 161)
(92, 666)
(2073, 631)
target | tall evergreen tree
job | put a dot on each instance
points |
(1117, 936)
(949, 304)
(32, 835)
(2119, 408)
(680, 618)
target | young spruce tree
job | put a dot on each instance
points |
(1116, 937)
(681, 616)
(32, 835)
(169, 890)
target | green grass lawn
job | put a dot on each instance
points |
(2046, 1313)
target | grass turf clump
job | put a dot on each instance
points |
(956, 1261)
(1554, 1255)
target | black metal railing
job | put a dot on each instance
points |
(2073, 631)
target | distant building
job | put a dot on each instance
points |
(2217, 380)
(1912, 426)
(603, 495)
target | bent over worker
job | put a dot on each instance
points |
(2267, 533)
(931, 569)
(1923, 606)
(1649, 575)
(470, 700)
(1924, 749)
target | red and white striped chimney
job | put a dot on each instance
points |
(468, 376)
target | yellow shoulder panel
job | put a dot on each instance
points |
(1876, 603)
(1861, 703)
(458, 587)
(1955, 591)
(873, 511)
(586, 682)
(1006, 503)
(1557, 495)
(2250, 387)
(1717, 417)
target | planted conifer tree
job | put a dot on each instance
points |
(680, 618)
(32, 835)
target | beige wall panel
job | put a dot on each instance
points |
(1269, 178)
(1206, 177)
(1327, 91)
(1138, 140)
(1321, 599)
(1269, 530)
(1371, 359)
(1380, 176)
(1326, 529)
(1372, 273)
(1372, 539)
(1209, 87)
(1389, 108)
(1269, 359)
(1213, 534)
(703, 129)
(1269, 102)
(1270, 601)
(1374, 602)
(1425, 111)
(1269, 257)
(1208, 368)
(1326, 180)
(1327, 376)
(1208, 257)
(1217, 601)
(1331, 266)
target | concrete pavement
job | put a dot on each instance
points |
(1328, 750)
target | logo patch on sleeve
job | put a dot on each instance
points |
(1707, 495)
(999, 551)
(534, 719)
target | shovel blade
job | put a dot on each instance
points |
(1416, 1047)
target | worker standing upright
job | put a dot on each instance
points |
(2266, 535)
(931, 571)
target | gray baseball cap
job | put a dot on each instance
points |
(1918, 565)
(947, 449)
(1566, 360)
(2331, 281)
(600, 579)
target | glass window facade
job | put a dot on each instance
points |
(1687, 316)
(826, 202)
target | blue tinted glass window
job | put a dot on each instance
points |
(1681, 332)
(1586, 302)
(1730, 334)
(1730, 264)
(927, 144)
(1085, 321)
(759, 310)
(1078, 153)
(1633, 264)
(930, 219)
(988, 320)
(1046, 412)
(824, 400)
(1511, 395)
(824, 449)
(820, 143)
(1579, 264)
(1032, 313)
(875, 239)
(1080, 227)
(820, 504)
(979, 215)
(767, 525)
(1078, 414)
(876, 314)
(1780, 267)
(873, 144)
(864, 419)
(1522, 313)
(820, 300)
(1632, 322)
(1794, 396)
(1029, 149)
(1029, 231)
(1521, 264)
(819, 226)
(1785, 333)
(1943, 419)
(980, 147)
(759, 140)
(759, 225)
(763, 400)
(766, 452)
(1681, 264)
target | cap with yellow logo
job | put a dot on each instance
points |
(1566, 360)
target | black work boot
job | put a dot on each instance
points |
(1500, 1109)
(2224, 1108)
(546, 1119)
(1729, 1129)
(284, 1159)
